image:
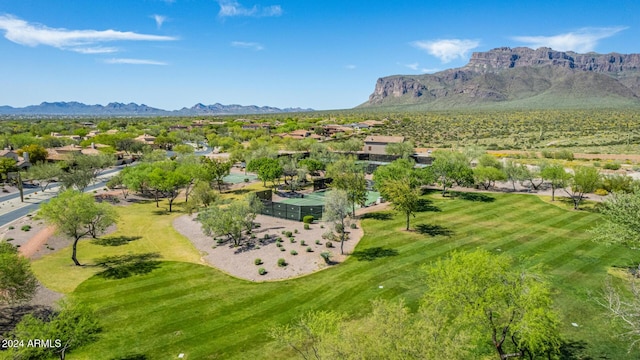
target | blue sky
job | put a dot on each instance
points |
(286, 53)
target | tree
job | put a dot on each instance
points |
(313, 166)
(183, 149)
(622, 223)
(17, 282)
(508, 307)
(487, 160)
(7, 165)
(404, 198)
(167, 179)
(401, 169)
(73, 326)
(116, 182)
(230, 220)
(557, 177)
(267, 169)
(93, 164)
(488, 175)
(37, 153)
(515, 172)
(585, 180)
(76, 215)
(402, 149)
(336, 209)
(44, 173)
(202, 195)
(389, 332)
(451, 167)
(625, 309)
(348, 176)
(216, 169)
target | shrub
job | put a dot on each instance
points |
(326, 256)
(247, 180)
(302, 243)
(282, 262)
(10, 239)
(11, 228)
(293, 252)
(318, 242)
(339, 228)
(258, 261)
(283, 249)
(309, 249)
(278, 244)
(266, 236)
(353, 226)
(262, 271)
(601, 192)
(612, 166)
(329, 244)
(292, 240)
(26, 228)
(308, 219)
(295, 231)
(596, 164)
(321, 226)
(288, 233)
(306, 226)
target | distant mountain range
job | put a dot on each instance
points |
(519, 78)
(132, 109)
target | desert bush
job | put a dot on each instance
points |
(302, 243)
(353, 226)
(258, 261)
(26, 228)
(306, 226)
(326, 256)
(308, 219)
(292, 240)
(288, 234)
(293, 252)
(601, 192)
(262, 271)
(309, 249)
(282, 262)
(612, 166)
(318, 242)
(328, 244)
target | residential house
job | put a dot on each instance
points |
(377, 144)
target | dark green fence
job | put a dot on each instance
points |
(291, 212)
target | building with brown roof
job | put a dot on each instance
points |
(377, 144)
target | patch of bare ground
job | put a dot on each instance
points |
(240, 261)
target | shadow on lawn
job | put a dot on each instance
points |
(131, 357)
(433, 230)
(425, 205)
(374, 253)
(471, 196)
(574, 350)
(124, 266)
(378, 216)
(115, 240)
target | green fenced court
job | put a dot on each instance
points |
(317, 198)
(238, 178)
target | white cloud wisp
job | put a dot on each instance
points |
(82, 41)
(247, 45)
(160, 19)
(582, 41)
(232, 8)
(134, 62)
(447, 50)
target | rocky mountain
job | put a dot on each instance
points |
(132, 109)
(519, 78)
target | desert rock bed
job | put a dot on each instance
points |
(240, 261)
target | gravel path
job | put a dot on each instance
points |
(240, 261)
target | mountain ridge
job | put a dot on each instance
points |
(518, 78)
(74, 108)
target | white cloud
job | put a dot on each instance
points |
(247, 45)
(231, 8)
(95, 50)
(24, 33)
(160, 19)
(134, 62)
(582, 40)
(350, 67)
(447, 49)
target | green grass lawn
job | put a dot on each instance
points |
(182, 307)
(142, 228)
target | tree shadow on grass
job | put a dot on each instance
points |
(472, 196)
(124, 266)
(378, 216)
(574, 350)
(425, 205)
(433, 230)
(115, 240)
(374, 253)
(131, 357)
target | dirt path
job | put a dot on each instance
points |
(37, 241)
